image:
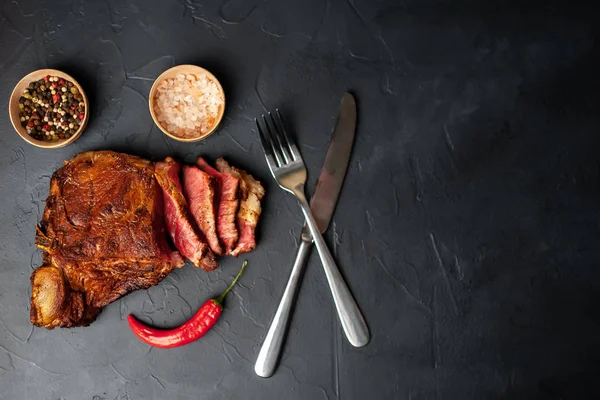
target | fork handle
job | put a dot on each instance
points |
(271, 348)
(352, 320)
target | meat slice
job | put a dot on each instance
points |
(199, 190)
(102, 234)
(178, 219)
(228, 200)
(247, 217)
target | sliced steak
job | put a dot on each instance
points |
(199, 190)
(247, 217)
(228, 200)
(178, 219)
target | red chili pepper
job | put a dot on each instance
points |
(56, 97)
(192, 330)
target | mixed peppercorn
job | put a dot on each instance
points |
(51, 109)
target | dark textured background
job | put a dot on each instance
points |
(467, 229)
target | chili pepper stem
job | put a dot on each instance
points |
(219, 299)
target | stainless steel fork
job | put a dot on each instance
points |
(287, 167)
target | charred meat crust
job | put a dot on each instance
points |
(102, 235)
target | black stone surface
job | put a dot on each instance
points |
(467, 229)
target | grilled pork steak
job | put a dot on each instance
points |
(199, 190)
(247, 217)
(103, 236)
(104, 229)
(228, 198)
(179, 222)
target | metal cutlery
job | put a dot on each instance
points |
(287, 167)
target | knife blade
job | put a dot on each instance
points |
(322, 206)
(329, 184)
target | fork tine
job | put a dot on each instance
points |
(290, 144)
(269, 136)
(263, 140)
(266, 144)
(284, 147)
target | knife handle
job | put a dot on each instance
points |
(353, 323)
(273, 344)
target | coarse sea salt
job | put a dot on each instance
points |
(188, 105)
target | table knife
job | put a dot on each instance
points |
(322, 206)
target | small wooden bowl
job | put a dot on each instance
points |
(13, 108)
(185, 69)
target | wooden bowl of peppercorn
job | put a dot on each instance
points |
(48, 108)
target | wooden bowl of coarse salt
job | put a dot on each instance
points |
(187, 103)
